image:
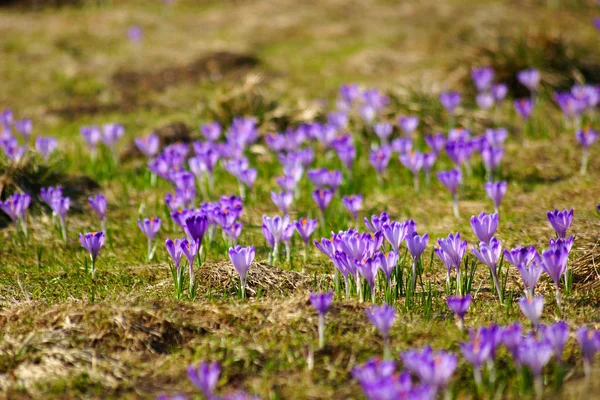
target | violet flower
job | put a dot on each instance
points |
(482, 78)
(16, 207)
(211, 131)
(92, 135)
(530, 78)
(436, 142)
(24, 127)
(451, 179)
(283, 200)
(489, 254)
(432, 368)
(586, 137)
(484, 226)
(111, 134)
(305, 228)
(150, 228)
(376, 222)
(476, 352)
(382, 318)
(524, 107)
(322, 197)
(353, 204)
(557, 335)
(491, 159)
(416, 246)
(555, 265)
(408, 124)
(387, 262)
(496, 191)
(535, 355)
(321, 303)
(45, 146)
(499, 92)
(98, 204)
(589, 342)
(241, 258)
(383, 130)
(428, 161)
(368, 268)
(561, 221)
(451, 252)
(148, 145)
(379, 159)
(205, 377)
(532, 308)
(60, 206)
(414, 162)
(395, 233)
(459, 306)
(402, 145)
(450, 100)
(484, 100)
(92, 242)
(530, 273)
(273, 229)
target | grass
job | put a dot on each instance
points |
(135, 340)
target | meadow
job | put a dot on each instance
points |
(299, 200)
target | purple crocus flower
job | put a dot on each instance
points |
(499, 92)
(451, 179)
(135, 34)
(111, 134)
(148, 145)
(492, 157)
(459, 134)
(286, 183)
(241, 258)
(521, 256)
(428, 161)
(338, 119)
(24, 127)
(283, 200)
(247, 177)
(557, 335)
(395, 233)
(561, 221)
(273, 229)
(484, 100)
(326, 247)
(496, 137)
(414, 162)
(451, 252)
(92, 136)
(205, 377)
(532, 308)
(484, 226)
(60, 206)
(555, 265)
(16, 208)
(353, 204)
(589, 342)
(496, 191)
(93, 242)
(450, 100)
(195, 227)
(383, 130)
(436, 142)
(45, 146)
(530, 78)
(322, 197)
(98, 204)
(150, 227)
(382, 318)
(368, 268)
(535, 354)
(211, 131)
(402, 145)
(379, 159)
(387, 262)
(432, 368)
(586, 137)
(408, 124)
(489, 254)
(416, 246)
(482, 77)
(524, 107)
(376, 222)
(175, 251)
(476, 352)
(305, 228)
(530, 274)
(459, 306)
(321, 303)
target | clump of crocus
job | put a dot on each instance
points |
(495, 191)
(93, 242)
(586, 137)
(416, 246)
(555, 265)
(432, 368)
(98, 204)
(484, 226)
(353, 204)
(205, 377)
(532, 308)
(451, 179)
(241, 258)
(150, 227)
(382, 317)
(321, 302)
(16, 208)
(305, 228)
(459, 306)
(589, 342)
(489, 254)
(175, 252)
(561, 221)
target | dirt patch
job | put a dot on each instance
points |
(131, 84)
(176, 132)
(40, 4)
(271, 280)
(93, 107)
